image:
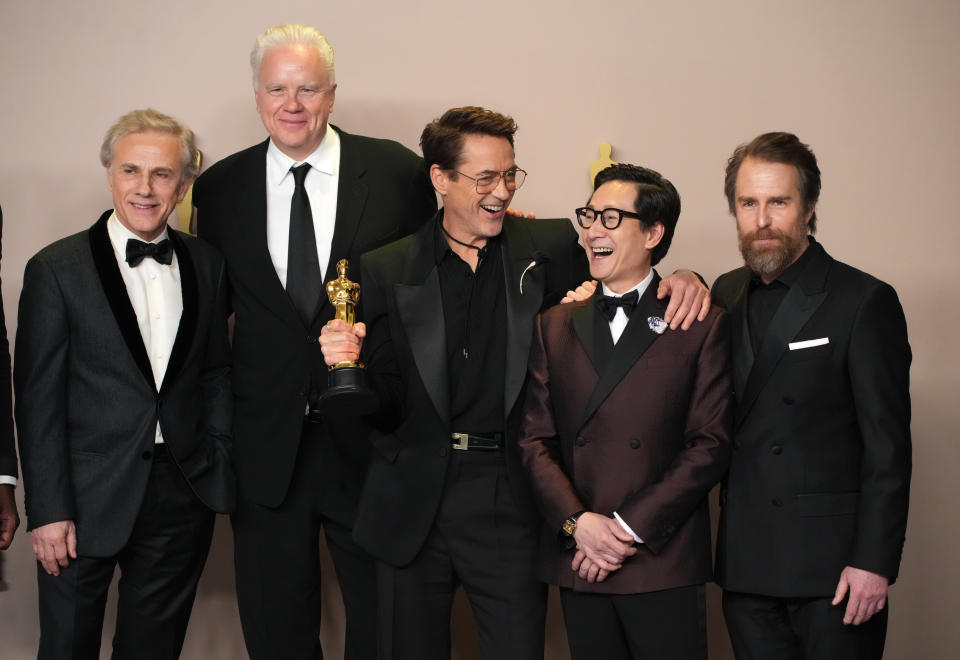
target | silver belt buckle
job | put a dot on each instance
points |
(462, 440)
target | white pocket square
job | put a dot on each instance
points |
(810, 343)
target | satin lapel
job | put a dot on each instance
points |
(116, 291)
(188, 318)
(250, 236)
(585, 325)
(635, 340)
(519, 263)
(797, 307)
(351, 199)
(420, 307)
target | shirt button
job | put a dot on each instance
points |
(153, 276)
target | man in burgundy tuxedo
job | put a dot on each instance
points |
(626, 429)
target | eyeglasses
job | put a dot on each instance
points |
(609, 218)
(512, 179)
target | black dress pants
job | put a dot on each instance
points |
(482, 541)
(659, 625)
(159, 569)
(768, 628)
(277, 563)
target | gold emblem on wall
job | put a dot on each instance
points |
(604, 161)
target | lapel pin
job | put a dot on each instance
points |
(531, 265)
(657, 324)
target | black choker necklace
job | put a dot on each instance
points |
(481, 251)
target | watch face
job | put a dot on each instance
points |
(569, 527)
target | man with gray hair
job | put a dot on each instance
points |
(123, 405)
(283, 213)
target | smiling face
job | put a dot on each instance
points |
(620, 258)
(146, 179)
(294, 98)
(772, 220)
(469, 216)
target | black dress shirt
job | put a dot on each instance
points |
(474, 313)
(765, 299)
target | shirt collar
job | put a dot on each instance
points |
(640, 288)
(441, 247)
(119, 235)
(325, 158)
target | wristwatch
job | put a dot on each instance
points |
(570, 524)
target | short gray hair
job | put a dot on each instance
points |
(144, 121)
(291, 33)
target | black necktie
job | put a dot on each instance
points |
(608, 304)
(304, 280)
(137, 250)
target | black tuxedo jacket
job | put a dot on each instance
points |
(820, 473)
(8, 455)
(405, 350)
(86, 403)
(641, 428)
(383, 194)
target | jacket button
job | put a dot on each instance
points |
(147, 455)
(788, 400)
(635, 444)
(776, 501)
(579, 441)
(776, 449)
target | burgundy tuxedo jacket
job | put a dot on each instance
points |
(641, 428)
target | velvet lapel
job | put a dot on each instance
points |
(116, 291)
(251, 238)
(797, 307)
(188, 318)
(635, 340)
(420, 308)
(521, 265)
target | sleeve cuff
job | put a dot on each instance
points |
(627, 527)
(6, 479)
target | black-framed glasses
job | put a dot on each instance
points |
(512, 179)
(609, 218)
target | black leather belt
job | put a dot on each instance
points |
(468, 441)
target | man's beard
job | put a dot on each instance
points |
(772, 260)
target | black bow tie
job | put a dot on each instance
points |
(138, 250)
(608, 304)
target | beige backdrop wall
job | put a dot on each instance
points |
(871, 85)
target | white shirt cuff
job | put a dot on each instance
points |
(7, 479)
(627, 527)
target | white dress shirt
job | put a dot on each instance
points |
(154, 292)
(617, 326)
(321, 184)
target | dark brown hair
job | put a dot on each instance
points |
(442, 139)
(783, 148)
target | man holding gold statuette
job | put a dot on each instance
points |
(450, 314)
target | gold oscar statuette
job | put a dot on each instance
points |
(347, 392)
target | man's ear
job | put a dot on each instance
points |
(654, 235)
(184, 187)
(439, 179)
